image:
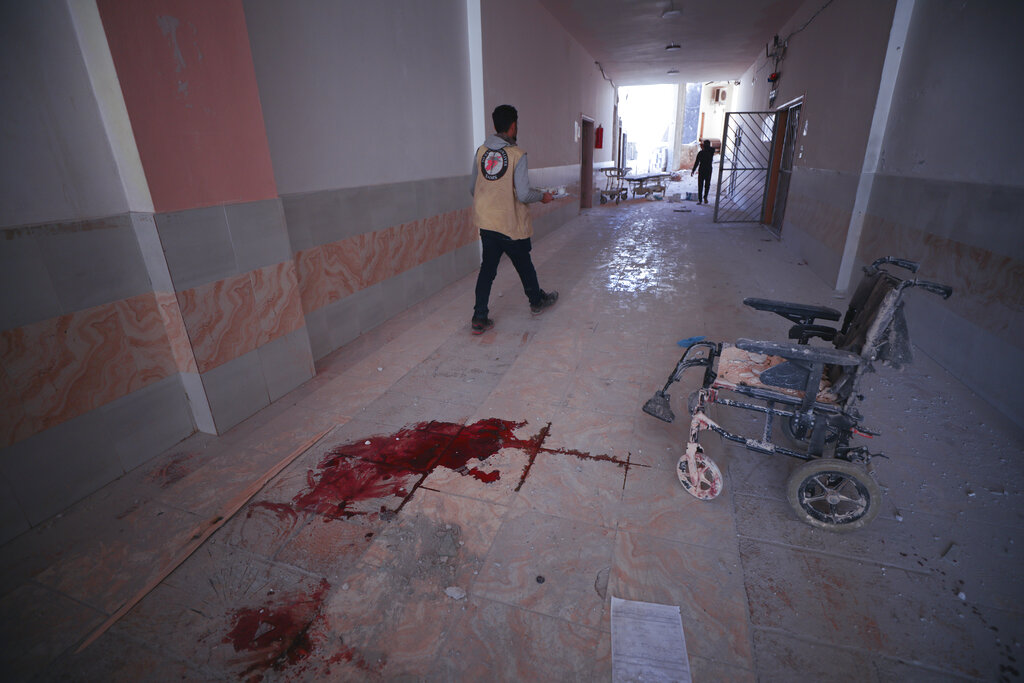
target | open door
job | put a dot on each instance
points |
(587, 165)
(782, 168)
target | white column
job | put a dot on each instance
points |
(872, 155)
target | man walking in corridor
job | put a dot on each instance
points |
(703, 165)
(501, 191)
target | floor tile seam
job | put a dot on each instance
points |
(467, 497)
(100, 612)
(676, 540)
(838, 556)
(598, 630)
(533, 510)
(740, 579)
(163, 652)
(869, 653)
(277, 564)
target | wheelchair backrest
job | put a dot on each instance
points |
(874, 326)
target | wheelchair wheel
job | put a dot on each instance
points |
(833, 494)
(709, 477)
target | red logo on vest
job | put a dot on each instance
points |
(494, 163)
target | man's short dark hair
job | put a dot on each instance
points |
(503, 117)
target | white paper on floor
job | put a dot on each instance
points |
(648, 643)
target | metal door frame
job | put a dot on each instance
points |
(758, 160)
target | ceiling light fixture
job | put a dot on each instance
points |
(673, 71)
(671, 11)
(672, 47)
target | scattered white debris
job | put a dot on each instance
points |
(380, 369)
(344, 586)
(367, 443)
(961, 596)
(455, 593)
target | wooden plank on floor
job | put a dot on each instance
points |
(201, 533)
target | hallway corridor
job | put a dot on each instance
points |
(464, 507)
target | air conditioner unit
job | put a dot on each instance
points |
(719, 94)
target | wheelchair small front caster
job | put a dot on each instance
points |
(833, 494)
(709, 477)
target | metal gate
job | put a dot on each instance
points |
(746, 157)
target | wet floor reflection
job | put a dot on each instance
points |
(644, 258)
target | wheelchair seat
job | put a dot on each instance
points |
(737, 367)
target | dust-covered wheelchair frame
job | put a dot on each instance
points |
(813, 390)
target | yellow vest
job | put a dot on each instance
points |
(495, 205)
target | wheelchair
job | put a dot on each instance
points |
(813, 390)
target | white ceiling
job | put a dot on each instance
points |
(720, 39)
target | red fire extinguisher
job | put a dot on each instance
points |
(599, 137)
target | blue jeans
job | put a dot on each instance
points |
(494, 245)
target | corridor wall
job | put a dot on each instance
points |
(941, 195)
(953, 199)
(531, 62)
(368, 121)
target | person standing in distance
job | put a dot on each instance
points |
(703, 162)
(501, 192)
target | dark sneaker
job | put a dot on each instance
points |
(547, 301)
(481, 325)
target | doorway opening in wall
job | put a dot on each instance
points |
(587, 163)
(787, 126)
(648, 115)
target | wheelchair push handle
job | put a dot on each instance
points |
(906, 264)
(945, 291)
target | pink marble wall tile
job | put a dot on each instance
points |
(221, 320)
(11, 410)
(378, 248)
(413, 240)
(66, 366)
(469, 232)
(177, 335)
(449, 231)
(146, 335)
(343, 267)
(278, 305)
(433, 228)
(314, 287)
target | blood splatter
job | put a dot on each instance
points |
(353, 479)
(278, 633)
(394, 465)
(284, 511)
(340, 482)
(173, 471)
(485, 477)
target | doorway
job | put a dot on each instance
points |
(782, 167)
(587, 164)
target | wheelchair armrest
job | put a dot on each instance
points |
(801, 314)
(811, 354)
(804, 333)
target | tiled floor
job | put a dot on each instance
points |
(475, 502)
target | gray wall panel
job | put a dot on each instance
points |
(92, 262)
(985, 216)
(319, 218)
(236, 390)
(29, 295)
(149, 421)
(258, 234)
(198, 247)
(52, 469)
(287, 362)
